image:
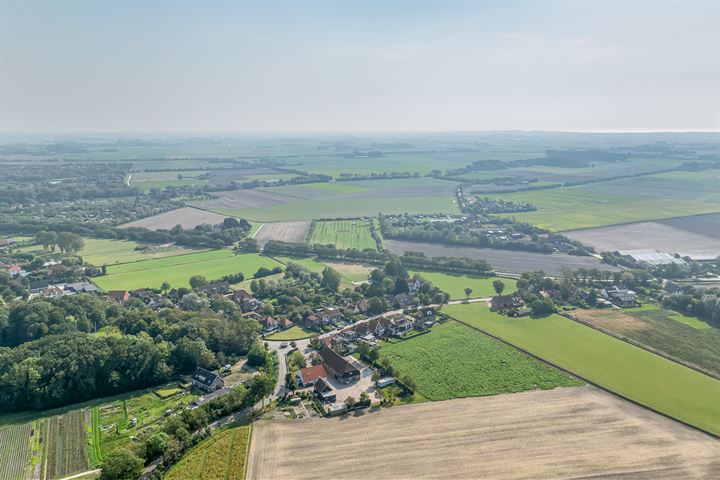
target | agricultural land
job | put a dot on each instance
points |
(186, 217)
(567, 432)
(344, 234)
(454, 361)
(221, 457)
(455, 284)
(283, 231)
(641, 376)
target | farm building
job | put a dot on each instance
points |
(651, 257)
(337, 366)
(207, 381)
(309, 375)
(216, 288)
(506, 301)
(324, 391)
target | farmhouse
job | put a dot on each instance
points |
(309, 375)
(337, 366)
(119, 296)
(324, 391)
(622, 297)
(506, 301)
(207, 381)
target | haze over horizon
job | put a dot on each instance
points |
(338, 68)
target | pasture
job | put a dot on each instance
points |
(646, 378)
(627, 200)
(212, 264)
(344, 234)
(455, 284)
(223, 456)
(561, 433)
(686, 338)
(454, 361)
(188, 217)
(362, 198)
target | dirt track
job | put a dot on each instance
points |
(283, 231)
(186, 216)
(563, 433)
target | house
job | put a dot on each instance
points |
(403, 300)
(337, 366)
(216, 288)
(399, 323)
(38, 286)
(119, 296)
(82, 287)
(361, 306)
(672, 287)
(324, 391)
(207, 381)
(622, 297)
(329, 315)
(269, 324)
(309, 375)
(16, 271)
(313, 321)
(246, 301)
(53, 291)
(506, 301)
(285, 323)
(414, 285)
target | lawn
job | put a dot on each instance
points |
(293, 333)
(455, 284)
(454, 361)
(626, 200)
(177, 270)
(223, 456)
(100, 251)
(644, 377)
(344, 234)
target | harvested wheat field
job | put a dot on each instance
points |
(282, 231)
(187, 217)
(562, 433)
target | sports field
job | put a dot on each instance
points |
(626, 200)
(454, 361)
(561, 433)
(644, 377)
(99, 251)
(455, 284)
(212, 264)
(344, 234)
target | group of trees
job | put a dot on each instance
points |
(51, 356)
(698, 302)
(66, 242)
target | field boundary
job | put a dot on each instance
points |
(247, 451)
(606, 389)
(635, 343)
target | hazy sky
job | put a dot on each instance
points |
(360, 66)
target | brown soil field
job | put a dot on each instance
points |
(647, 236)
(708, 225)
(563, 433)
(501, 260)
(254, 198)
(187, 217)
(612, 319)
(351, 269)
(283, 231)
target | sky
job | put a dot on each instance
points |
(318, 66)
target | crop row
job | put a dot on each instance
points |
(14, 451)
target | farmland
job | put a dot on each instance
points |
(454, 361)
(501, 260)
(344, 234)
(637, 374)
(177, 270)
(221, 457)
(686, 338)
(627, 200)
(455, 284)
(561, 433)
(15, 451)
(186, 216)
(282, 231)
(337, 199)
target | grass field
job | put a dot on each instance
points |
(675, 334)
(646, 378)
(454, 361)
(293, 333)
(100, 251)
(223, 456)
(455, 284)
(349, 272)
(626, 200)
(344, 234)
(177, 270)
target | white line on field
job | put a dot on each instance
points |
(256, 231)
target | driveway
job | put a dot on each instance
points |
(365, 384)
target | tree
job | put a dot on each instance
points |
(365, 399)
(290, 383)
(164, 287)
(316, 343)
(155, 445)
(350, 402)
(592, 297)
(257, 356)
(408, 381)
(330, 279)
(373, 354)
(121, 464)
(468, 291)
(542, 307)
(197, 281)
(499, 286)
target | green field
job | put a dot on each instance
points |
(177, 270)
(223, 456)
(455, 284)
(293, 333)
(100, 251)
(454, 361)
(627, 200)
(344, 234)
(644, 377)
(347, 274)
